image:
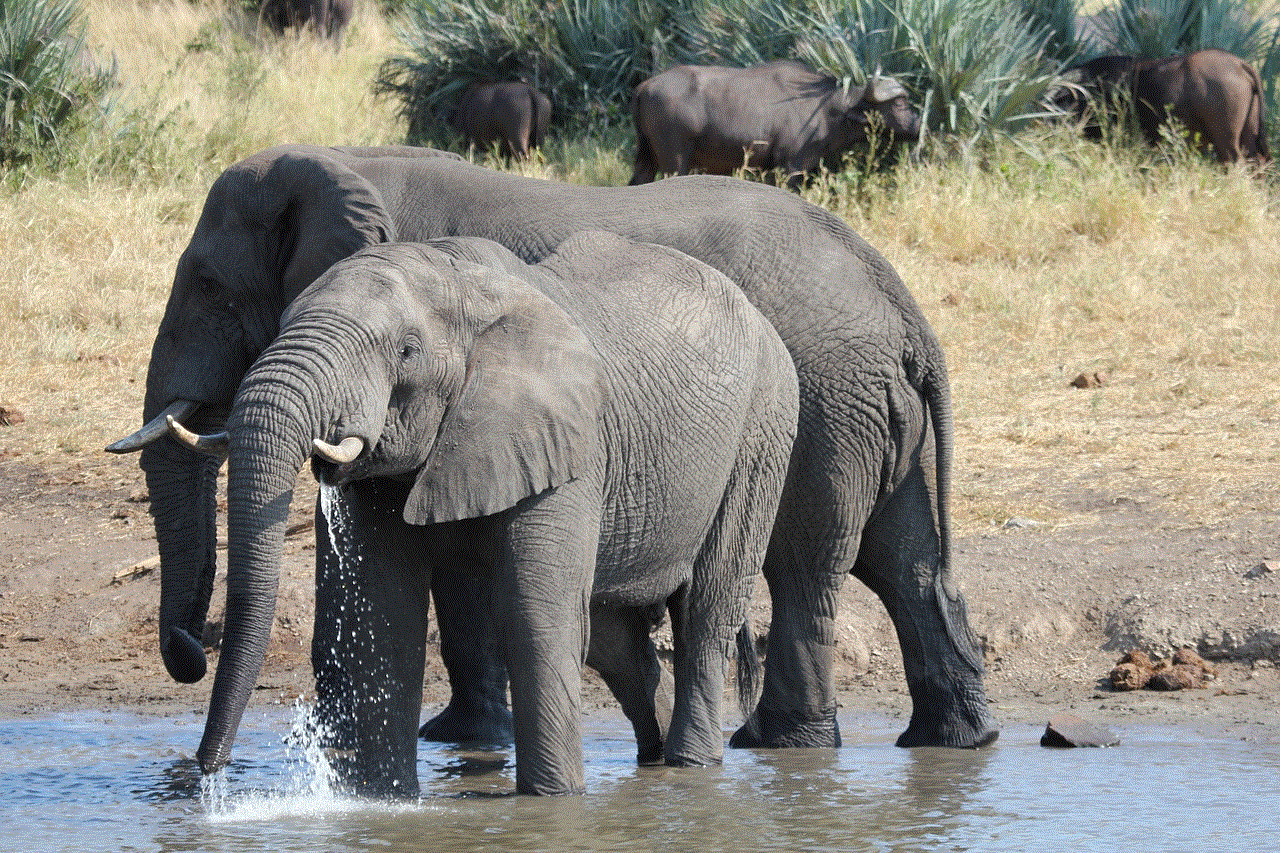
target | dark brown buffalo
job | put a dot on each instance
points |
(513, 114)
(327, 18)
(780, 115)
(1215, 96)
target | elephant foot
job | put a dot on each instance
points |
(677, 761)
(941, 717)
(457, 725)
(774, 729)
(650, 755)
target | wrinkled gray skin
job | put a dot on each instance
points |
(513, 114)
(607, 431)
(869, 478)
(268, 230)
(1215, 96)
(780, 115)
(326, 18)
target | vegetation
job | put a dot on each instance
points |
(1036, 255)
(46, 80)
(977, 67)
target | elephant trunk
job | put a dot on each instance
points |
(183, 490)
(270, 430)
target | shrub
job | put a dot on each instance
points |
(45, 79)
(1154, 29)
(977, 66)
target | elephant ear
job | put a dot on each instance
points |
(324, 212)
(527, 417)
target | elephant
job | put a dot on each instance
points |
(868, 484)
(513, 114)
(1215, 96)
(779, 115)
(327, 18)
(606, 431)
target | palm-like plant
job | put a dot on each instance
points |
(451, 43)
(43, 80)
(1155, 29)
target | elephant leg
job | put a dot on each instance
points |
(812, 548)
(899, 560)
(370, 640)
(546, 557)
(622, 651)
(696, 736)
(705, 612)
(797, 706)
(477, 709)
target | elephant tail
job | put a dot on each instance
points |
(749, 670)
(937, 393)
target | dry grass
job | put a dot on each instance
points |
(1033, 267)
(1166, 283)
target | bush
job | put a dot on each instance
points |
(976, 65)
(1154, 29)
(46, 82)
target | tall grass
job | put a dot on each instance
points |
(1034, 261)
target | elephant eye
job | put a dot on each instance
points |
(408, 350)
(213, 290)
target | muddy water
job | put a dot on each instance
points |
(117, 781)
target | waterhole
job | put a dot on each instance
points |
(107, 781)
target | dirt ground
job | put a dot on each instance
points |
(1055, 604)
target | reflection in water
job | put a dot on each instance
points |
(474, 765)
(117, 779)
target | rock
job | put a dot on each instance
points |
(9, 415)
(1266, 567)
(1096, 379)
(1067, 730)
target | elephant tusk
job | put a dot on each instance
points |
(340, 454)
(158, 426)
(212, 445)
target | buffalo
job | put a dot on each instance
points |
(513, 114)
(780, 115)
(1214, 95)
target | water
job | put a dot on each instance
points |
(115, 781)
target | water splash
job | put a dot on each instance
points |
(308, 789)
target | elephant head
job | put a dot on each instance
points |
(269, 227)
(400, 362)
